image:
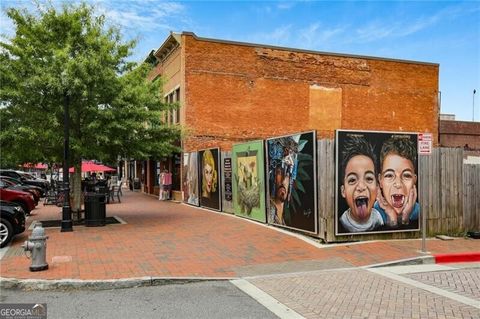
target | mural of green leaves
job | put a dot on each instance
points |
(248, 181)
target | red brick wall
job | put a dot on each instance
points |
(458, 133)
(236, 92)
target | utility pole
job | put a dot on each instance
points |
(473, 105)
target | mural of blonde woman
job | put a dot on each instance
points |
(210, 181)
(191, 178)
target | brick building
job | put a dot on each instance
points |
(232, 92)
(461, 134)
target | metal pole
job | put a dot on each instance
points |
(423, 215)
(473, 104)
(67, 224)
(424, 232)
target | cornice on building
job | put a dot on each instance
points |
(305, 51)
(169, 45)
(174, 40)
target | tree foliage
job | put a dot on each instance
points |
(69, 55)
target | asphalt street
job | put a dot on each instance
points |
(209, 300)
(415, 291)
(239, 270)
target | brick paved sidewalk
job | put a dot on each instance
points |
(359, 294)
(166, 239)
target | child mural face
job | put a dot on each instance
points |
(360, 187)
(208, 173)
(397, 180)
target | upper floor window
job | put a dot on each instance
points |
(173, 116)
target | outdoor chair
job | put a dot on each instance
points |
(115, 192)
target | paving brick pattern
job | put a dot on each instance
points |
(465, 282)
(359, 294)
(166, 239)
(160, 239)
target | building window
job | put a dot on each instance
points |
(173, 116)
(177, 111)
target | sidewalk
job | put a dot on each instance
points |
(171, 240)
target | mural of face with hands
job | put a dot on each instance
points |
(398, 178)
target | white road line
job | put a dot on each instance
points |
(266, 300)
(435, 290)
(412, 269)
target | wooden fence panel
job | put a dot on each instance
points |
(471, 198)
(435, 193)
(460, 189)
(441, 188)
(426, 180)
(326, 188)
(449, 201)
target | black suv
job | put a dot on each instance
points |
(12, 221)
(18, 175)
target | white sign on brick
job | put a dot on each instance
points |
(425, 142)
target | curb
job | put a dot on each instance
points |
(74, 284)
(421, 260)
(457, 258)
(77, 284)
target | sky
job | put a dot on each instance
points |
(443, 32)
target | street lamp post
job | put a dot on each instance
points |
(473, 103)
(67, 224)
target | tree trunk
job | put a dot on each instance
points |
(76, 188)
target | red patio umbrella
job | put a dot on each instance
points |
(105, 168)
(89, 166)
(36, 166)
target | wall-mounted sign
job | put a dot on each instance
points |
(227, 174)
(425, 141)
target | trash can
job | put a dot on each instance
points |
(95, 209)
(99, 189)
(89, 186)
(136, 184)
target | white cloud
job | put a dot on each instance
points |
(379, 30)
(279, 36)
(140, 16)
(373, 31)
(285, 5)
(315, 35)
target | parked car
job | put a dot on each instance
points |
(27, 179)
(19, 186)
(24, 199)
(19, 182)
(12, 221)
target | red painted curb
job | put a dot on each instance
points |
(458, 258)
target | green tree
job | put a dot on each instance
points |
(69, 56)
